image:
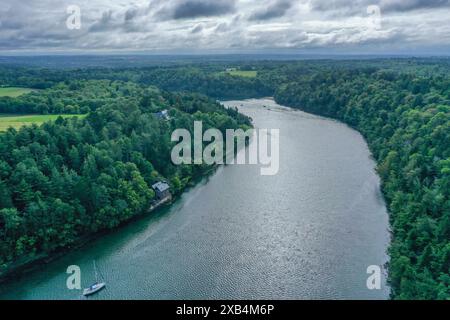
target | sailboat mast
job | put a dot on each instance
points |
(95, 270)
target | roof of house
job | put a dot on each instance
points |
(161, 186)
(162, 114)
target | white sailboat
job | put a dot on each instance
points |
(96, 287)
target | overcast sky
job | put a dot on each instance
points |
(327, 26)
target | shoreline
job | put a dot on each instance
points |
(36, 263)
(31, 264)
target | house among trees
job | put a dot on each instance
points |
(162, 190)
(163, 115)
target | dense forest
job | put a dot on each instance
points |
(401, 106)
(406, 121)
(74, 177)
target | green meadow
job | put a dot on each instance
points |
(13, 91)
(242, 73)
(15, 121)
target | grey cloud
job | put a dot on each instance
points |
(222, 27)
(275, 10)
(408, 5)
(198, 28)
(131, 13)
(329, 5)
(188, 9)
(6, 23)
(345, 7)
(173, 24)
(105, 23)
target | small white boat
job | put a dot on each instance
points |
(96, 287)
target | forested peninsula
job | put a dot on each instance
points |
(76, 176)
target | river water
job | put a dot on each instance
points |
(309, 232)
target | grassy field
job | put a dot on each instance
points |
(15, 121)
(13, 91)
(241, 73)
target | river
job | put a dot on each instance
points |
(309, 232)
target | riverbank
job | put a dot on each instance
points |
(31, 264)
(28, 265)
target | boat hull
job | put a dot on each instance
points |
(94, 289)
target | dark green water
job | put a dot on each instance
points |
(309, 232)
